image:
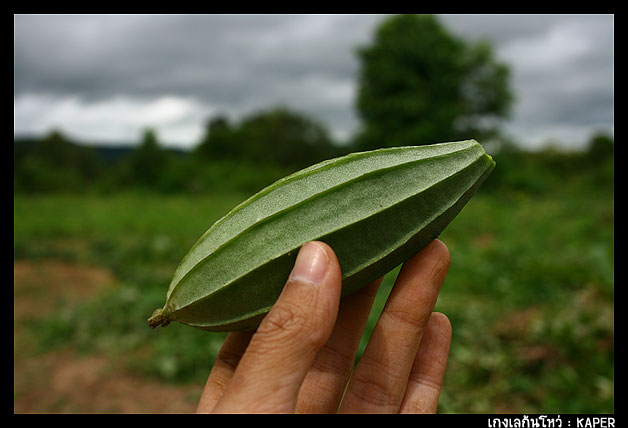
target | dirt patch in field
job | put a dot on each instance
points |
(42, 286)
(62, 381)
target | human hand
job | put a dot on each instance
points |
(301, 357)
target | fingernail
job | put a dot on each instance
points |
(311, 264)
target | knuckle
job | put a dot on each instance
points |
(377, 390)
(404, 317)
(333, 362)
(371, 392)
(433, 383)
(286, 322)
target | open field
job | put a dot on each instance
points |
(530, 294)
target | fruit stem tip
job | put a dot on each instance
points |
(158, 318)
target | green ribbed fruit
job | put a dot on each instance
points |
(375, 209)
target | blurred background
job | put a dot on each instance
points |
(134, 133)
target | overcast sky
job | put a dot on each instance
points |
(105, 78)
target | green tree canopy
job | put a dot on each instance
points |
(219, 139)
(601, 146)
(419, 84)
(54, 162)
(276, 135)
(148, 159)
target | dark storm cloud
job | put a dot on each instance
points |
(228, 58)
(173, 70)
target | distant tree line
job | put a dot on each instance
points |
(244, 156)
(418, 84)
(277, 136)
(55, 163)
(536, 172)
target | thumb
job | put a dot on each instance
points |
(282, 350)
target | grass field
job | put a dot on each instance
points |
(530, 294)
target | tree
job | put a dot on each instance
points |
(147, 160)
(276, 136)
(601, 147)
(219, 139)
(54, 163)
(419, 84)
(284, 137)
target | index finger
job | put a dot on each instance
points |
(281, 351)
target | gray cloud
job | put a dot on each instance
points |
(97, 55)
(173, 70)
(562, 71)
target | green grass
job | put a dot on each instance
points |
(530, 297)
(529, 293)
(141, 239)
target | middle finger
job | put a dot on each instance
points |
(379, 381)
